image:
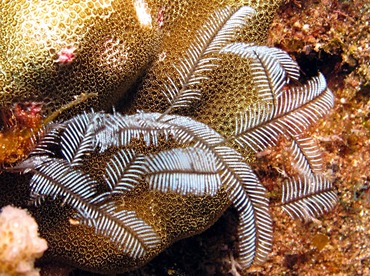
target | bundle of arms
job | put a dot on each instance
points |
(129, 124)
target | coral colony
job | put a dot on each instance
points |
(197, 96)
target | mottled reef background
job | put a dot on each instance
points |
(333, 37)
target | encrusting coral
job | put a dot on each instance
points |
(111, 191)
(20, 243)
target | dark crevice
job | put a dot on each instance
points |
(331, 65)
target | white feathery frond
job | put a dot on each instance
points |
(238, 179)
(49, 137)
(55, 177)
(218, 30)
(306, 155)
(186, 130)
(130, 233)
(254, 115)
(296, 97)
(268, 76)
(124, 171)
(236, 19)
(78, 138)
(296, 121)
(255, 227)
(308, 197)
(117, 130)
(296, 110)
(184, 171)
(247, 230)
(271, 68)
(257, 195)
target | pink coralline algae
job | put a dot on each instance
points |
(66, 55)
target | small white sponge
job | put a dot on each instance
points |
(20, 243)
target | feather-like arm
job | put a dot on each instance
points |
(245, 191)
(133, 235)
(235, 175)
(47, 137)
(77, 139)
(296, 110)
(306, 155)
(249, 197)
(271, 68)
(308, 197)
(124, 171)
(184, 171)
(55, 177)
(219, 30)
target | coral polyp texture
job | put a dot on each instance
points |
(196, 96)
(56, 50)
(20, 243)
